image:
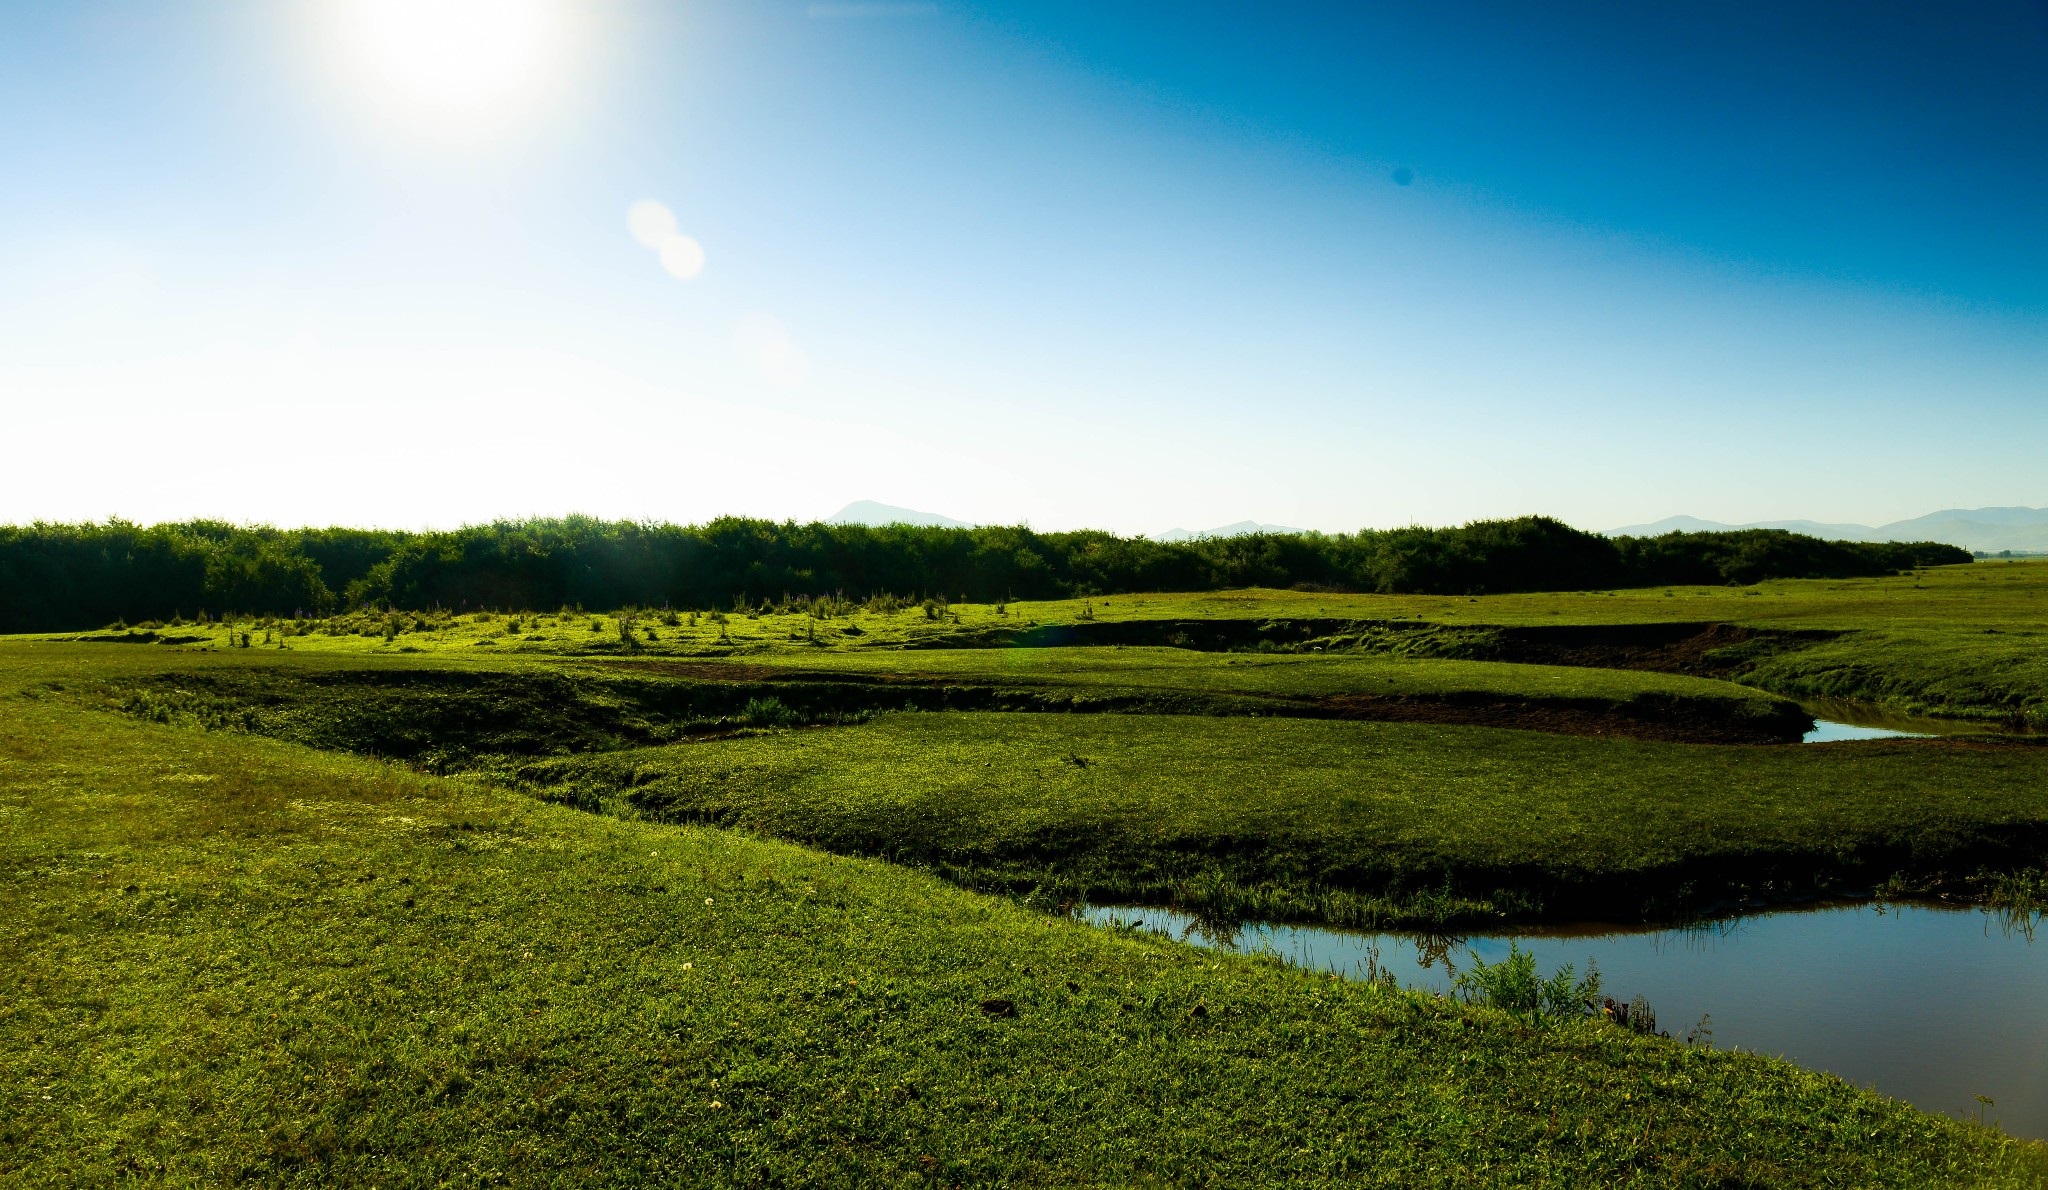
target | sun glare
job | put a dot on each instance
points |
(441, 64)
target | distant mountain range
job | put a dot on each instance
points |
(1989, 529)
(1240, 529)
(867, 512)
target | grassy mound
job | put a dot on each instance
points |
(1351, 823)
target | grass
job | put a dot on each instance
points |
(409, 706)
(1351, 823)
(225, 959)
(1309, 683)
(238, 946)
(1284, 675)
(1963, 641)
(1995, 675)
(1259, 813)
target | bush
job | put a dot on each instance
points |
(57, 577)
(767, 712)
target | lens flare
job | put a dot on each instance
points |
(651, 223)
(682, 256)
(654, 225)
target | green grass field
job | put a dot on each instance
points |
(1351, 823)
(232, 960)
(1287, 675)
(251, 936)
(309, 696)
(1965, 641)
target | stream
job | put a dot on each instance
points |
(1935, 1006)
(1839, 719)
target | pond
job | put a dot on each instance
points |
(1931, 1005)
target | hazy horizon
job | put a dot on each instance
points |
(869, 512)
(362, 262)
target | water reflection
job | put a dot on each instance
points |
(1826, 732)
(1844, 719)
(1935, 1006)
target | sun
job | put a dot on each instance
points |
(451, 64)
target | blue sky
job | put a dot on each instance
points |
(1128, 266)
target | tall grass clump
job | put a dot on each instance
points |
(1513, 986)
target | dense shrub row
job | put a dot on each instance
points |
(62, 577)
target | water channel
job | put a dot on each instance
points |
(1931, 1005)
(1840, 719)
(1827, 731)
(1936, 1006)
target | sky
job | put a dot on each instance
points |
(420, 263)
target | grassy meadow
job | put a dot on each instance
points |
(772, 894)
(1962, 641)
(233, 960)
(1366, 824)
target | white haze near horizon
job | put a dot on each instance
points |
(226, 293)
(392, 432)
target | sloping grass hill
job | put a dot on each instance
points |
(228, 960)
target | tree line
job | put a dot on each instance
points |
(66, 577)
